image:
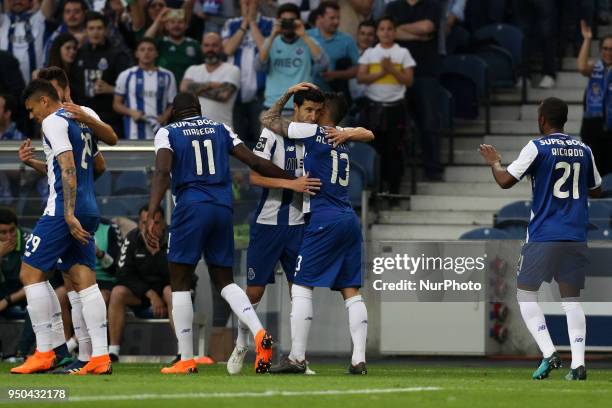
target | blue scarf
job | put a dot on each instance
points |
(599, 94)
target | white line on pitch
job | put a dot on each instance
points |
(270, 393)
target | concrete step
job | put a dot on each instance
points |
(477, 174)
(382, 232)
(469, 157)
(569, 95)
(530, 112)
(571, 80)
(473, 218)
(570, 63)
(509, 127)
(458, 203)
(470, 189)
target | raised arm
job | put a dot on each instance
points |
(26, 155)
(272, 118)
(101, 130)
(339, 136)
(503, 178)
(585, 67)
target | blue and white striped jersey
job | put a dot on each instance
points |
(61, 133)
(562, 172)
(280, 206)
(147, 91)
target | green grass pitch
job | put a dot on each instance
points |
(386, 385)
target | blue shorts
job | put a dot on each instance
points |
(201, 229)
(331, 254)
(542, 261)
(51, 245)
(268, 245)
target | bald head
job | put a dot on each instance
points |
(211, 48)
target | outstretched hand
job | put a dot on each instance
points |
(26, 151)
(489, 153)
(306, 185)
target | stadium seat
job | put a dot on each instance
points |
(103, 184)
(458, 40)
(606, 185)
(505, 35)
(366, 157)
(465, 76)
(600, 213)
(111, 207)
(499, 61)
(497, 10)
(516, 229)
(131, 182)
(484, 234)
(516, 211)
(599, 234)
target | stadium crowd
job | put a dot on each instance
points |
(128, 59)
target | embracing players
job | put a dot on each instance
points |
(63, 235)
(563, 176)
(196, 150)
(331, 251)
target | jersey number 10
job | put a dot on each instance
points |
(567, 170)
(198, 156)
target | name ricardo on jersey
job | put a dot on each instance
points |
(566, 152)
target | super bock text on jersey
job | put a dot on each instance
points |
(278, 225)
(51, 239)
(562, 172)
(331, 251)
(202, 188)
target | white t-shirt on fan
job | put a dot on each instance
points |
(387, 88)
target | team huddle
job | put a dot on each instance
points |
(304, 169)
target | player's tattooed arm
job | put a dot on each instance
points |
(159, 185)
(273, 119)
(69, 189)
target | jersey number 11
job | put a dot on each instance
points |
(209, 155)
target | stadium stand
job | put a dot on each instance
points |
(485, 234)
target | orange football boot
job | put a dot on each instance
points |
(263, 348)
(204, 360)
(97, 365)
(39, 362)
(181, 367)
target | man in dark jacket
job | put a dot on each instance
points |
(142, 279)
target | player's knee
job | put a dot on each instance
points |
(30, 275)
(119, 295)
(255, 293)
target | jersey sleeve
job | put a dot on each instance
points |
(521, 165)
(594, 177)
(234, 140)
(162, 140)
(55, 130)
(120, 84)
(407, 60)
(266, 143)
(302, 130)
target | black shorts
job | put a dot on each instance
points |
(105, 285)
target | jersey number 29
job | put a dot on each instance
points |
(198, 156)
(86, 137)
(567, 170)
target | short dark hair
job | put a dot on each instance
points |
(337, 105)
(7, 216)
(288, 8)
(56, 73)
(10, 104)
(324, 5)
(554, 112)
(186, 104)
(603, 39)
(94, 16)
(146, 208)
(385, 18)
(367, 23)
(81, 2)
(310, 94)
(148, 40)
(40, 86)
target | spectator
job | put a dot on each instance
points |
(387, 70)
(12, 83)
(366, 38)
(108, 243)
(177, 52)
(8, 128)
(142, 279)
(340, 48)
(416, 31)
(354, 12)
(214, 13)
(97, 68)
(23, 31)
(143, 94)
(596, 129)
(215, 81)
(289, 58)
(538, 20)
(243, 39)
(305, 7)
(73, 22)
(453, 12)
(63, 53)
